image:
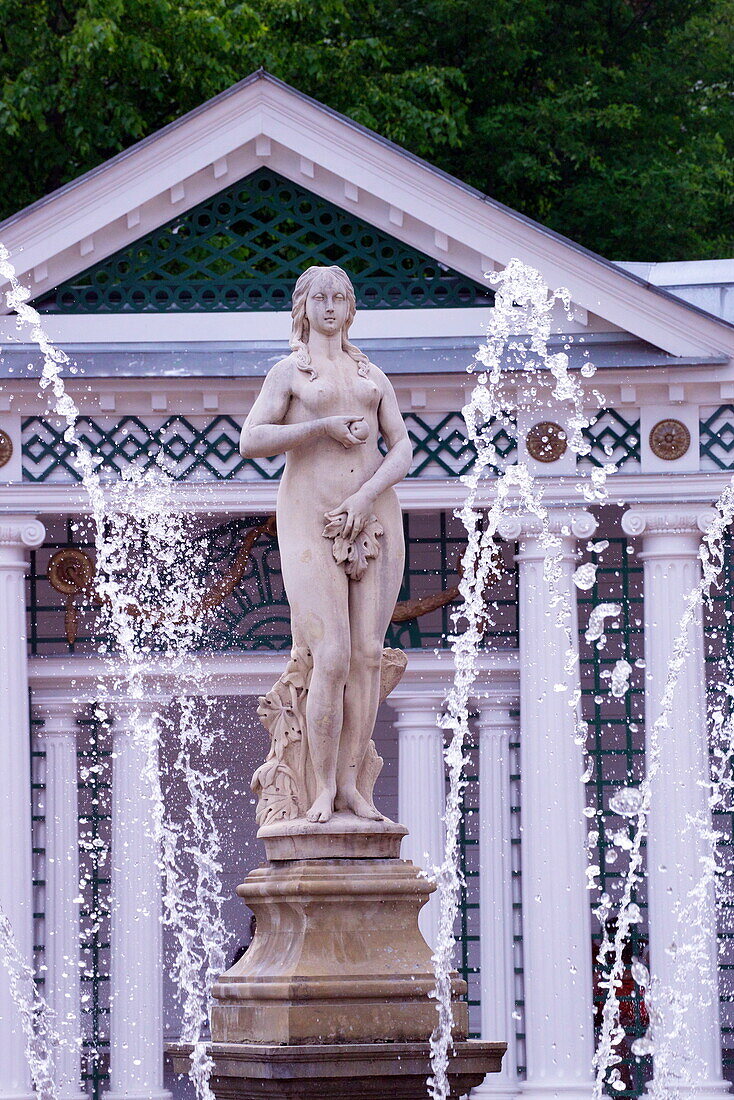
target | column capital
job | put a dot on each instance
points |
(21, 532)
(121, 708)
(493, 709)
(58, 712)
(667, 519)
(571, 523)
(417, 697)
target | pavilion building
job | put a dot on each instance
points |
(166, 273)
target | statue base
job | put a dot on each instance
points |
(344, 836)
(337, 957)
(366, 1071)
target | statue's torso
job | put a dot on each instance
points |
(322, 473)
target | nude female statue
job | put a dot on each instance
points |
(325, 405)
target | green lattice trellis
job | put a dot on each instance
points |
(445, 445)
(616, 746)
(613, 439)
(516, 849)
(719, 640)
(210, 450)
(244, 248)
(38, 818)
(717, 438)
(95, 818)
(467, 934)
(256, 615)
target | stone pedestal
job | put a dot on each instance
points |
(365, 1071)
(337, 957)
(333, 996)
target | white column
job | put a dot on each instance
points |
(18, 534)
(495, 890)
(136, 1021)
(556, 917)
(61, 950)
(421, 787)
(675, 850)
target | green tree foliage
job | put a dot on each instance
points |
(611, 121)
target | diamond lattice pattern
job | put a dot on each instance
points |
(243, 250)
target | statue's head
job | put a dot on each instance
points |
(313, 279)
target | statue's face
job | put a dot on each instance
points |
(326, 305)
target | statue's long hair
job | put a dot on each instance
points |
(300, 326)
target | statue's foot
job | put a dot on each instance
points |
(354, 801)
(322, 808)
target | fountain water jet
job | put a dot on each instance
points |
(141, 536)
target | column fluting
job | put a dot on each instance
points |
(58, 740)
(18, 534)
(497, 977)
(676, 848)
(421, 787)
(136, 1022)
(556, 916)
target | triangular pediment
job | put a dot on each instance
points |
(243, 250)
(263, 123)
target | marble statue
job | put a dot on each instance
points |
(341, 544)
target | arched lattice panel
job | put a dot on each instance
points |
(243, 249)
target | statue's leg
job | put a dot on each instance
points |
(317, 591)
(371, 604)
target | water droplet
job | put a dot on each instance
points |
(585, 576)
(620, 678)
(597, 616)
(627, 801)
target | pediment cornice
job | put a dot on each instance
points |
(262, 121)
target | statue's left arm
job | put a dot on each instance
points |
(393, 468)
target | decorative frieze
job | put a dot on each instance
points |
(197, 449)
(614, 439)
(717, 438)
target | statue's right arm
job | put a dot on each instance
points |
(264, 434)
